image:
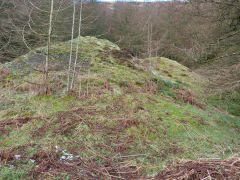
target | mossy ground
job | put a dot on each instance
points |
(131, 115)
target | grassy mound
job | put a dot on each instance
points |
(126, 117)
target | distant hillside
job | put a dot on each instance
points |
(126, 117)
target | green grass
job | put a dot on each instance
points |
(228, 101)
(10, 173)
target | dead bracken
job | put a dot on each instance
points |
(188, 97)
(49, 163)
(4, 72)
(203, 169)
(19, 121)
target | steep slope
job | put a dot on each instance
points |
(224, 78)
(125, 118)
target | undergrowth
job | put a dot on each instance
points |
(228, 101)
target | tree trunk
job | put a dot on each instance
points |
(78, 43)
(71, 50)
(49, 41)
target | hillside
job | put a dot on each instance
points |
(224, 87)
(126, 118)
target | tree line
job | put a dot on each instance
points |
(190, 32)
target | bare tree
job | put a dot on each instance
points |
(49, 41)
(149, 39)
(78, 44)
(71, 48)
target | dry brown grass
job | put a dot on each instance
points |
(150, 87)
(129, 121)
(188, 97)
(37, 87)
(203, 170)
(18, 121)
(4, 72)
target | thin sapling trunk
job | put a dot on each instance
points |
(78, 44)
(71, 49)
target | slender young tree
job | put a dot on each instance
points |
(149, 40)
(78, 44)
(49, 41)
(71, 49)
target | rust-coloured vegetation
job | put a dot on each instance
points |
(203, 169)
(4, 72)
(19, 121)
(188, 97)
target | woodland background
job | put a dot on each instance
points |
(191, 32)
